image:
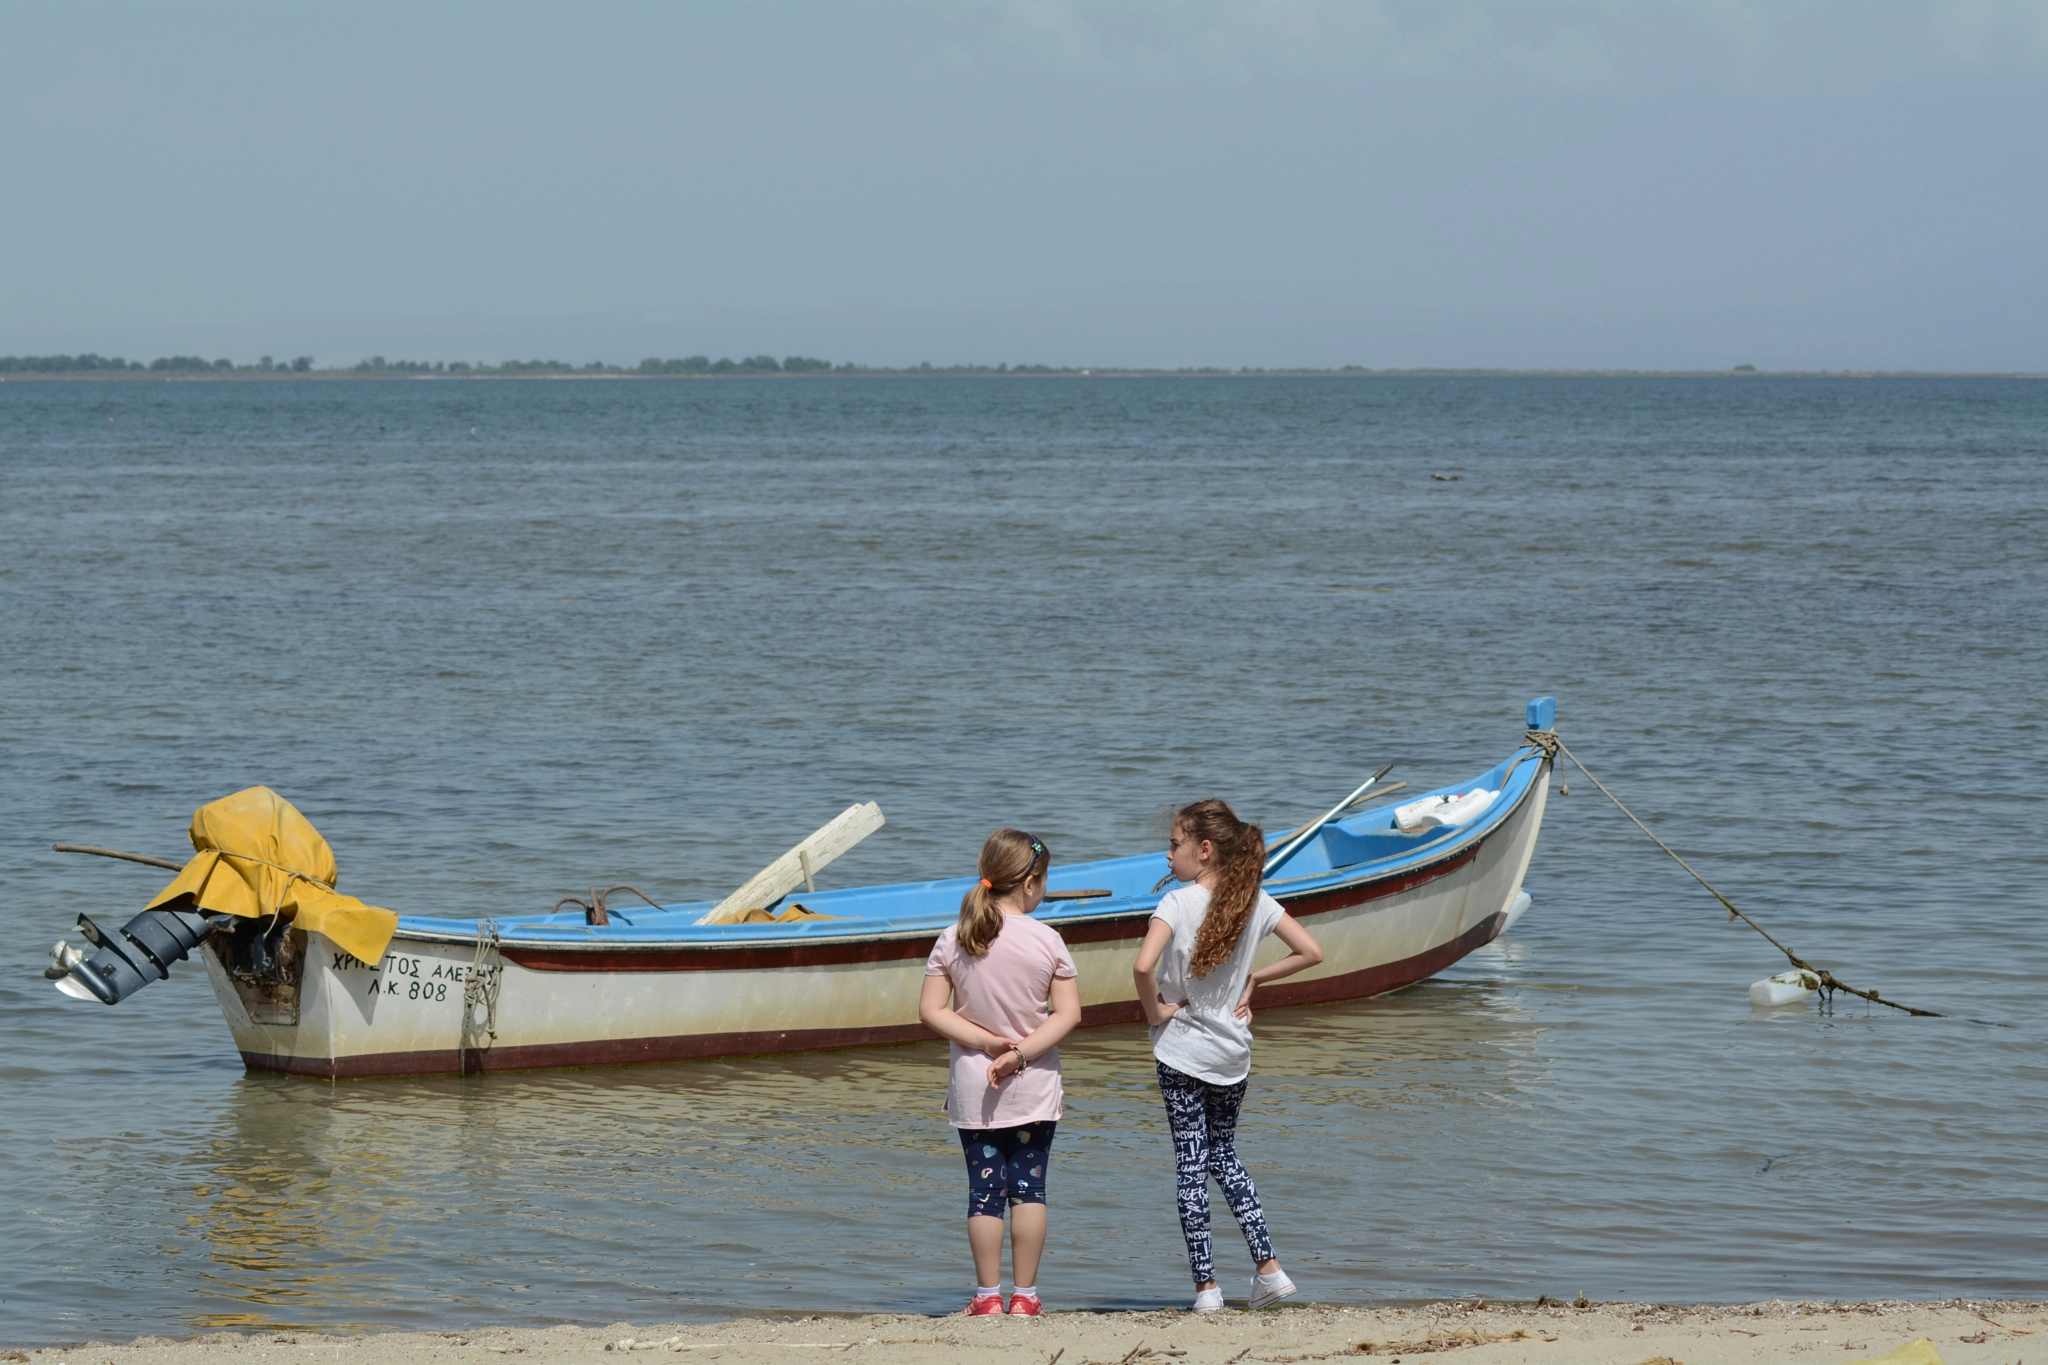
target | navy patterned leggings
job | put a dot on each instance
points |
(1006, 1166)
(1204, 1122)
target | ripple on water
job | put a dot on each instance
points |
(503, 640)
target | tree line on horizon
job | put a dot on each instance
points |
(696, 364)
(90, 363)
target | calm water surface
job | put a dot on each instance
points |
(503, 639)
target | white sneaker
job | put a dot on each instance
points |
(1270, 1288)
(1207, 1301)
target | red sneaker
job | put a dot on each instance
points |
(1025, 1306)
(985, 1306)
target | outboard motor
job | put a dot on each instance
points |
(257, 864)
(142, 952)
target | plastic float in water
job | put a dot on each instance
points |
(1786, 988)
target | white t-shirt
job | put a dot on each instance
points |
(1207, 1040)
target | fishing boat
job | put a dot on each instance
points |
(1394, 894)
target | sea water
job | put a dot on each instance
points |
(503, 640)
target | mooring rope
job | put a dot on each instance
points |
(480, 987)
(1548, 741)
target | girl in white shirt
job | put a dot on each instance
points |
(1195, 982)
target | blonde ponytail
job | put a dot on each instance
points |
(1008, 859)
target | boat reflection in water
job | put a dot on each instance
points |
(708, 1189)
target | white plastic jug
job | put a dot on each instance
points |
(1786, 988)
(1453, 809)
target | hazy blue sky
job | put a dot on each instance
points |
(1826, 184)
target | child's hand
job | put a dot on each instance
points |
(1004, 1067)
(1167, 1011)
(1244, 1003)
(996, 1047)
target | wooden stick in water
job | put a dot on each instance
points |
(117, 853)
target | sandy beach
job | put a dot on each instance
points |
(1960, 1333)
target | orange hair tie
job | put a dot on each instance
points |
(987, 885)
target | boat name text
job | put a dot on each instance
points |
(411, 978)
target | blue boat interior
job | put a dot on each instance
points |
(1355, 847)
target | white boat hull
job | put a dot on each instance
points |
(439, 1005)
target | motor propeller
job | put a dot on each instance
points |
(142, 951)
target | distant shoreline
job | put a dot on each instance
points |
(964, 372)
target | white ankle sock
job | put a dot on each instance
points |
(1028, 1291)
(984, 1291)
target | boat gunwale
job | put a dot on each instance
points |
(820, 933)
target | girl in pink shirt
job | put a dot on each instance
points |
(1002, 986)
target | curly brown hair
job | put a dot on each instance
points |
(1241, 863)
(1008, 859)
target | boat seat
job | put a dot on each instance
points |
(1345, 848)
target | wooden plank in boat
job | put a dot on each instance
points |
(798, 866)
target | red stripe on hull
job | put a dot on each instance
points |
(773, 956)
(1316, 903)
(598, 1052)
(701, 1046)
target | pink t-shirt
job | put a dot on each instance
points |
(1007, 991)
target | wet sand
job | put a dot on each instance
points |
(1961, 1333)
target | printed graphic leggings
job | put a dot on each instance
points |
(1204, 1122)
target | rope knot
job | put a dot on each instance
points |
(1546, 740)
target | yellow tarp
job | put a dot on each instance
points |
(259, 857)
(785, 916)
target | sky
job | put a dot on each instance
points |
(1816, 184)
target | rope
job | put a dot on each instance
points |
(480, 987)
(291, 873)
(1828, 980)
(595, 910)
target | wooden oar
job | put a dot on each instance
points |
(796, 867)
(1375, 794)
(1076, 895)
(117, 853)
(1309, 831)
